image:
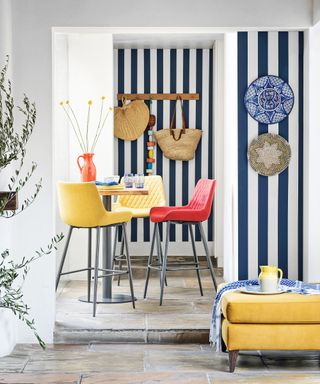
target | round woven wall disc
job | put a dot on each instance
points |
(269, 154)
(131, 120)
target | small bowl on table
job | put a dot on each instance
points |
(112, 179)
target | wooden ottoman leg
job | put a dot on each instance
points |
(232, 360)
(223, 345)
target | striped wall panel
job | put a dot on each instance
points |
(270, 216)
(165, 71)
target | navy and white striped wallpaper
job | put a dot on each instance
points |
(270, 213)
(168, 71)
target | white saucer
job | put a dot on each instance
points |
(256, 290)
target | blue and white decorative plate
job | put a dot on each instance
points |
(269, 99)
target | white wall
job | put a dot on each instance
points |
(218, 100)
(316, 11)
(230, 140)
(7, 320)
(85, 73)
(166, 13)
(311, 153)
(32, 69)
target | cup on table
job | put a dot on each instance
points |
(139, 180)
(128, 180)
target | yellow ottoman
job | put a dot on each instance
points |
(287, 321)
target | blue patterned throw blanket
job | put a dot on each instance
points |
(291, 285)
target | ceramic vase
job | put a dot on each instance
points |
(87, 168)
(7, 331)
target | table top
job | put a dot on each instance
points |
(120, 192)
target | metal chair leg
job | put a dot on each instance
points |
(63, 257)
(114, 246)
(96, 266)
(210, 266)
(164, 264)
(195, 256)
(128, 263)
(120, 260)
(160, 254)
(150, 260)
(89, 262)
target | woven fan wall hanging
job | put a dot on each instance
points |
(130, 120)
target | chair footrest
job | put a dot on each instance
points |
(114, 273)
(195, 267)
(76, 271)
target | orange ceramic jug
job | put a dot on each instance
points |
(88, 169)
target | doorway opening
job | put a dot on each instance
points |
(91, 65)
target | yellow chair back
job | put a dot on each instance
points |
(80, 204)
(155, 198)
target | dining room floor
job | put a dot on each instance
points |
(134, 363)
(184, 316)
(148, 345)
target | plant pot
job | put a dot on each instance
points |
(12, 200)
(88, 169)
(7, 331)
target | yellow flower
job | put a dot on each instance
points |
(110, 108)
(61, 103)
(90, 102)
(67, 102)
(103, 97)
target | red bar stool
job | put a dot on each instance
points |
(194, 213)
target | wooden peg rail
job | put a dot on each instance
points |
(158, 96)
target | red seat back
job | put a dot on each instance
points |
(203, 197)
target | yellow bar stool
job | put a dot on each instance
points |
(81, 207)
(139, 206)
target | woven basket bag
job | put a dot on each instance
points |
(178, 144)
(130, 120)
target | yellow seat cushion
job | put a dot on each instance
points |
(271, 336)
(140, 205)
(287, 308)
(135, 212)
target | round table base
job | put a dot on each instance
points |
(115, 299)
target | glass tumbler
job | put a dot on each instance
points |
(128, 180)
(139, 180)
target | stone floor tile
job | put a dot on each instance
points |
(176, 321)
(14, 362)
(183, 309)
(177, 336)
(100, 335)
(101, 321)
(147, 378)
(43, 378)
(234, 378)
(204, 361)
(85, 361)
(302, 362)
(117, 348)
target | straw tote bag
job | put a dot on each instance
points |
(130, 120)
(178, 144)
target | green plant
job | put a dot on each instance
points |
(13, 144)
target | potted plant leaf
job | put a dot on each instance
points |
(13, 143)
